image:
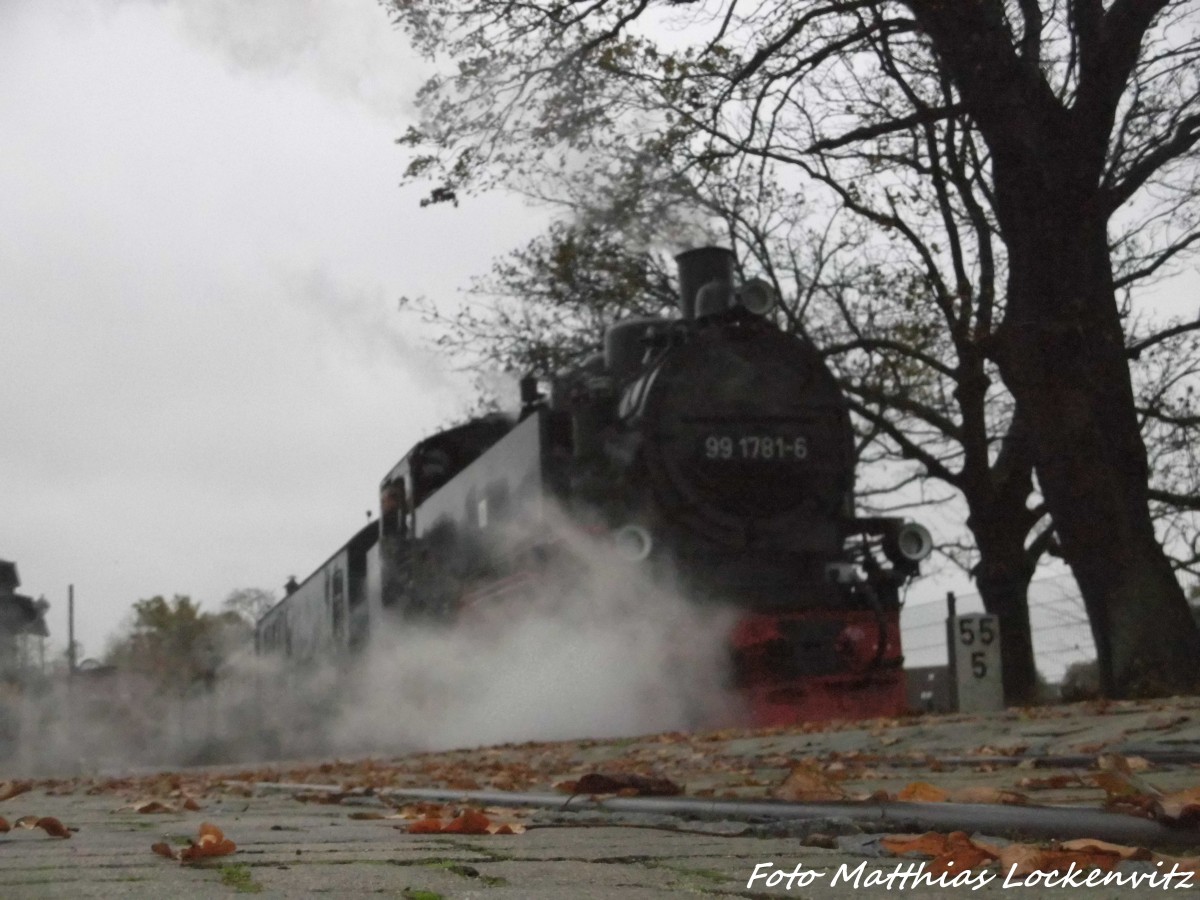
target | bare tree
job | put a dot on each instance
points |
(1039, 124)
(546, 306)
(249, 603)
(1033, 126)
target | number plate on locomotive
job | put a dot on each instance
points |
(754, 447)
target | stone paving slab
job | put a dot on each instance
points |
(291, 849)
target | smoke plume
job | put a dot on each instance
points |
(615, 654)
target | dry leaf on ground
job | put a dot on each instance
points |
(1180, 809)
(957, 852)
(10, 789)
(1121, 850)
(987, 795)
(953, 852)
(425, 826)
(1020, 860)
(211, 842)
(52, 827)
(469, 821)
(325, 797)
(806, 783)
(149, 806)
(931, 843)
(922, 792)
(1117, 778)
(1126, 792)
(1184, 863)
(1050, 782)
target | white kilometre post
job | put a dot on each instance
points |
(975, 656)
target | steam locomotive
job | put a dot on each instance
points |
(709, 446)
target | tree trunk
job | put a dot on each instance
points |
(997, 486)
(1061, 353)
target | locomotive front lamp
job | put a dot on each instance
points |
(632, 543)
(757, 296)
(910, 543)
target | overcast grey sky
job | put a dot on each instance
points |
(203, 369)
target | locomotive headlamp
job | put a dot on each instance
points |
(757, 296)
(910, 543)
(632, 543)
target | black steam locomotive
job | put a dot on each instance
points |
(709, 447)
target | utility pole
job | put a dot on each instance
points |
(70, 629)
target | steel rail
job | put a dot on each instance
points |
(893, 816)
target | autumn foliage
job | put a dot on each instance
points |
(210, 841)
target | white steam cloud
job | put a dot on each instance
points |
(347, 48)
(615, 655)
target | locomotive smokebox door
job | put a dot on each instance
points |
(749, 428)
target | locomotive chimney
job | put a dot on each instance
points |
(697, 268)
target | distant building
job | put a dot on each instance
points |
(21, 618)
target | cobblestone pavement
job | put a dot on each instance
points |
(358, 845)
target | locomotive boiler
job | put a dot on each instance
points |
(709, 448)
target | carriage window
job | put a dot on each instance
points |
(394, 509)
(338, 610)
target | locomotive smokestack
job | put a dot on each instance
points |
(697, 268)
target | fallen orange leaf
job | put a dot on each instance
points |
(211, 842)
(52, 827)
(468, 822)
(10, 789)
(1097, 846)
(987, 795)
(953, 852)
(508, 828)
(922, 792)
(151, 806)
(425, 826)
(1185, 863)
(931, 843)
(959, 859)
(1052, 782)
(1117, 779)
(1181, 808)
(1019, 860)
(163, 849)
(806, 784)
